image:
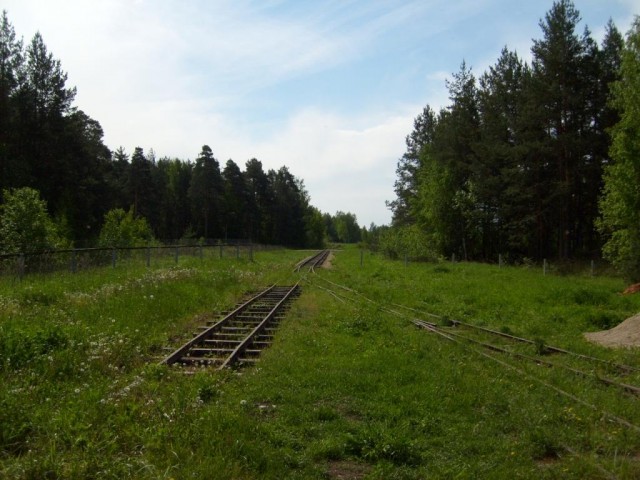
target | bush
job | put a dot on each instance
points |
(410, 241)
(123, 229)
(25, 225)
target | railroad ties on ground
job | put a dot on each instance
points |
(239, 336)
(313, 261)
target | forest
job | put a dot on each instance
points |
(523, 162)
(531, 160)
(51, 147)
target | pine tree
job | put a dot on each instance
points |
(260, 197)
(457, 154)
(620, 204)
(406, 188)
(235, 200)
(562, 78)
(205, 194)
(501, 178)
(139, 185)
(12, 172)
(288, 208)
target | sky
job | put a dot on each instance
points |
(327, 88)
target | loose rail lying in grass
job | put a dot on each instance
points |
(452, 337)
(314, 261)
(607, 381)
(458, 338)
(241, 334)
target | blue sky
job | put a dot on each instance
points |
(327, 88)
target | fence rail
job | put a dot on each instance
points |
(78, 259)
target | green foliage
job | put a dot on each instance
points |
(343, 227)
(25, 225)
(345, 388)
(20, 347)
(66, 160)
(123, 229)
(410, 241)
(620, 204)
(315, 228)
(205, 193)
(514, 164)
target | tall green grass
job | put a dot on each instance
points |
(345, 390)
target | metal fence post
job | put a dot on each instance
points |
(148, 256)
(361, 257)
(113, 257)
(251, 252)
(200, 251)
(237, 251)
(544, 267)
(74, 261)
(21, 266)
(177, 253)
(220, 250)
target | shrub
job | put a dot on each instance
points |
(123, 229)
(410, 241)
(25, 225)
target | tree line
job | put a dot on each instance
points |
(515, 164)
(52, 147)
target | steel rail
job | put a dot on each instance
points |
(233, 357)
(177, 354)
(607, 381)
(312, 261)
(252, 309)
(523, 373)
(615, 418)
(619, 366)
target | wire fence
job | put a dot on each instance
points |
(74, 260)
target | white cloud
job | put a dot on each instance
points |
(347, 163)
(174, 75)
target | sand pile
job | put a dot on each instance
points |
(627, 334)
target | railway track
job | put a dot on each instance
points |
(310, 263)
(239, 336)
(609, 390)
(567, 373)
(539, 358)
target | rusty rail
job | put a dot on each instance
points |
(240, 335)
(313, 261)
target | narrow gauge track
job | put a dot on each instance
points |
(313, 261)
(240, 335)
(520, 364)
(450, 334)
(510, 346)
(593, 367)
(507, 343)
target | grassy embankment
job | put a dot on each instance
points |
(346, 391)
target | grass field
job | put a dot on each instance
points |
(347, 390)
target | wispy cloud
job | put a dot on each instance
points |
(328, 88)
(343, 167)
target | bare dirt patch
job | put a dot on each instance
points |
(347, 470)
(327, 263)
(627, 334)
